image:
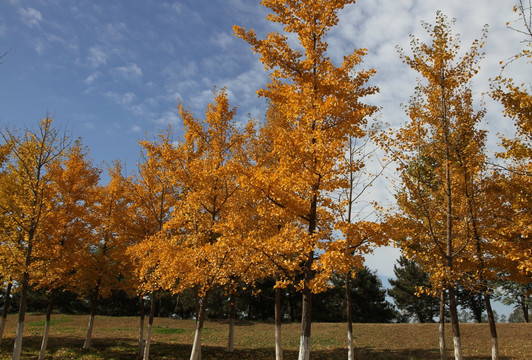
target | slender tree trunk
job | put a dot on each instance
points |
(17, 348)
(524, 307)
(306, 306)
(141, 328)
(479, 297)
(5, 311)
(196, 347)
(49, 309)
(349, 316)
(197, 303)
(443, 348)
(306, 321)
(292, 307)
(160, 306)
(150, 326)
(455, 324)
(278, 326)
(176, 307)
(420, 318)
(493, 328)
(94, 301)
(232, 314)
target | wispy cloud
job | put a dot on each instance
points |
(178, 7)
(136, 129)
(30, 16)
(116, 31)
(97, 56)
(129, 72)
(223, 39)
(168, 117)
(92, 77)
(124, 99)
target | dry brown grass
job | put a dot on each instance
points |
(115, 338)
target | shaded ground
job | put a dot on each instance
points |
(115, 338)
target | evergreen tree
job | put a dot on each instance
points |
(473, 301)
(517, 294)
(405, 291)
(369, 304)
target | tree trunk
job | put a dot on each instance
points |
(176, 307)
(306, 321)
(292, 307)
(141, 328)
(443, 349)
(17, 348)
(5, 311)
(493, 328)
(49, 309)
(197, 301)
(278, 326)
(232, 314)
(524, 307)
(455, 324)
(160, 306)
(94, 301)
(349, 316)
(196, 347)
(150, 326)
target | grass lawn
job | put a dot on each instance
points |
(115, 338)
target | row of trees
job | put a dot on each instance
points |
(369, 301)
(225, 206)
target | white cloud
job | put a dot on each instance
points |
(168, 117)
(178, 8)
(116, 31)
(92, 77)
(124, 99)
(39, 46)
(136, 129)
(30, 16)
(223, 39)
(129, 72)
(89, 125)
(97, 56)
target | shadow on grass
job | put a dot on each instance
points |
(126, 348)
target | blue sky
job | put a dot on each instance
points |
(112, 71)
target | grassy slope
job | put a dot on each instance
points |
(115, 338)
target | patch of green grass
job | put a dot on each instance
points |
(53, 321)
(168, 331)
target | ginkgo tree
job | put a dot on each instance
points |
(514, 177)
(67, 229)
(9, 254)
(105, 266)
(152, 197)
(27, 199)
(319, 110)
(204, 166)
(439, 152)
